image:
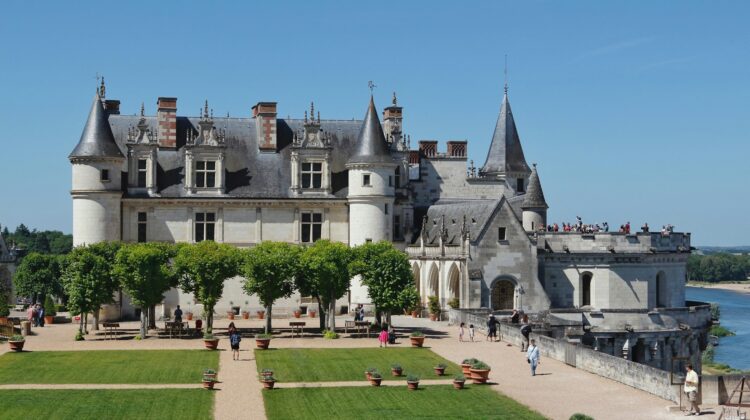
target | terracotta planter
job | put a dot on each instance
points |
(49, 320)
(246, 315)
(412, 385)
(261, 314)
(416, 341)
(368, 375)
(265, 374)
(189, 316)
(208, 384)
(211, 344)
(458, 384)
(268, 384)
(466, 368)
(397, 372)
(230, 315)
(16, 345)
(262, 343)
(479, 376)
(311, 314)
(375, 381)
(414, 314)
(297, 314)
(439, 371)
(433, 317)
(210, 376)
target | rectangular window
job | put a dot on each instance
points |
(312, 175)
(312, 226)
(519, 185)
(205, 174)
(396, 227)
(386, 209)
(104, 175)
(390, 181)
(142, 219)
(366, 180)
(501, 234)
(142, 173)
(398, 176)
(204, 226)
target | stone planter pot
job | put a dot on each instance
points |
(466, 369)
(375, 381)
(16, 345)
(49, 320)
(397, 372)
(211, 344)
(479, 376)
(439, 371)
(297, 314)
(268, 384)
(416, 341)
(208, 384)
(261, 314)
(412, 385)
(458, 384)
(246, 315)
(262, 343)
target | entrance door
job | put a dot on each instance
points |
(502, 295)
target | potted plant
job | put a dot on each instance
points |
(375, 378)
(49, 310)
(297, 313)
(369, 371)
(262, 341)
(480, 372)
(396, 369)
(440, 369)
(16, 342)
(311, 313)
(417, 339)
(4, 312)
(245, 315)
(189, 316)
(267, 381)
(412, 382)
(454, 303)
(416, 311)
(433, 304)
(459, 381)
(210, 341)
(466, 366)
(209, 373)
(266, 372)
(261, 314)
(208, 381)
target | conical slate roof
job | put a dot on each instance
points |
(371, 146)
(97, 139)
(505, 154)
(534, 198)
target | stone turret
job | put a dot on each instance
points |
(534, 205)
(97, 164)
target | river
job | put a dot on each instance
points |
(735, 316)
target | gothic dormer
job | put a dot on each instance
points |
(311, 157)
(142, 148)
(204, 156)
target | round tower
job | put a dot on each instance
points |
(97, 164)
(371, 191)
(534, 205)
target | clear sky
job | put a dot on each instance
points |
(634, 111)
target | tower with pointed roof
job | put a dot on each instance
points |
(371, 192)
(97, 164)
(534, 205)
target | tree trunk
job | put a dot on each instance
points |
(378, 316)
(96, 320)
(152, 317)
(332, 315)
(209, 313)
(144, 319)
(268, 319)
(80, 324)
(321, 314)
(85, 323)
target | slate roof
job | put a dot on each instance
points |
(534, 197)
(505, 153)
(477, 212)
(371, 145)
(249, 172)
(97, 139)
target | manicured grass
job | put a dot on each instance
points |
(106, 367)
(178, 404)
(393, 402)
(326, 365)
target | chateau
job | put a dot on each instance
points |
(477, 235)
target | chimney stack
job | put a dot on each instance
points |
(112, 106)
(457, 148)
(167, 122)
(265, 125)
(428, 147)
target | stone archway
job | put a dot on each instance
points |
(503, 295)
(415, 273)
(454, 282)
(433, 285)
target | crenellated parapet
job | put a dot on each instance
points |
(612, 243)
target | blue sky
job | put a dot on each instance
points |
(634, 111)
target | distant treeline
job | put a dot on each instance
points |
(718, 267)
(43, 242)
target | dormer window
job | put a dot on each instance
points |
(142, 170)
(312, 175)
(205, 174)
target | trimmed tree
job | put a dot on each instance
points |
(145, 274)
(37, 276)
(202, 269)
(386, 272)
(269, 271)
(324, 274)
(81, 278)
(108, 285)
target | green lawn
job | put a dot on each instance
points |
(393, 402)
(326, 365)
(106, 367)
(178, 404)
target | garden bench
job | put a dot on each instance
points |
(176, 327)
(6, 328)
(110, 329)
(297, 327)
(357, 326)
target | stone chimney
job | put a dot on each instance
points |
(112, 106)
(457, 148)
(265, 125)
(428, 148)
(167, 122)
(392, 122)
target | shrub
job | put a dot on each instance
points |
(208, 336)
(480, 365)
(454, 303)
(207, 378)
(4, 309)
(417, 334)
(469, 361)
(441, 366)
(579, 416)
(459, 378)
(396, 366)
(209, 372)
(433, 304)
(49, 306)
(17, 338)
(708, 354)
(269, 378)
(263, 336)
(412, 378)
(266, 372)
(61, 308)
(371, 370)
(715, 311)
(720, 331)
(376, 375)
(331, 335)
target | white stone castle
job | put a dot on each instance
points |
(476, 236)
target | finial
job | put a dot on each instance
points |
(102, 89)
(212, 113)
(318, 117)
(142, 110)
(371, 85)
(506, 74)
(205, 109)
(305, 115)
(312, 110)
(395, 102)
(534, 165)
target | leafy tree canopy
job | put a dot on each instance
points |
(385, 271)
(38, 274)
(269, 270)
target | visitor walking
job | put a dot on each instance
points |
(471, 332)
(691, 390)
(40, 315)
(31, 315)
(532, 357)
(525, 331)
(491, 328)
(383, 337)
(461, 332)
(234, 340)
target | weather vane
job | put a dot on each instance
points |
(371, 85)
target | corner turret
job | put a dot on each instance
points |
(534, 205)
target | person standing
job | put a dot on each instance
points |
(691, 390)
(178, 314)
(461, 331)
(383, 337)
(471, 332)
(526, 332)
(31, 315)
(234, 340)
(40, 315)
(532, 356)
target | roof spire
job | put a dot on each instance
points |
(372, 86)
(312, 110)
(142, 110)
(534, 195)
(505, 154)
(371, 146)
(97, 139)
(102, 89)
(506, 74)
(395, 101)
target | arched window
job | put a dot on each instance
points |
(503, 292)
(586, 289)
(661, 290)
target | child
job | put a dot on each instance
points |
(383, 337)
(471, 332)
(234, 340)
(461, 332)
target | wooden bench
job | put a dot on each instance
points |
(110, 329)
(297, 327)
(357, 326)
(6, 328)
(178, 327)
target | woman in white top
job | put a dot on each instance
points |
(532, 356)
(691, 389)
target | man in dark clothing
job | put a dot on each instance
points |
(491, 327)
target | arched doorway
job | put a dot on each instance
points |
(503, 292)
(586, 289)
(417, 278)
(434, 281)
(661, 290)
(454, 282)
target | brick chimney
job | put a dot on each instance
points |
(414, 157)
(112, 106)
(428, 148)
(265, 125)
(457, 148)
(166, 118)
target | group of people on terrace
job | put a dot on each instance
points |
(580, 227)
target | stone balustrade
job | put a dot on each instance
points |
(613, 242)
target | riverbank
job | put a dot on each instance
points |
(735, 286)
